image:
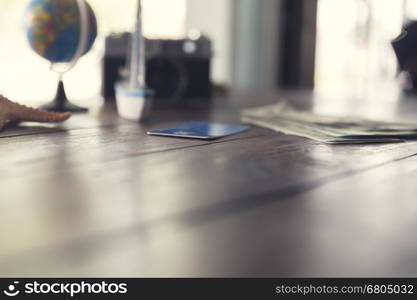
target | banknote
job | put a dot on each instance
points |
(329, 129)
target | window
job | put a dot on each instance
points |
(353, 45)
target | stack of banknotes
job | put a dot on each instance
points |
(333, 130)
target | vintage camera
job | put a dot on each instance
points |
(176, 70)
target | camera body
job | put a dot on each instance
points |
(176, 70)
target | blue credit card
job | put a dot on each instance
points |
(200, 130)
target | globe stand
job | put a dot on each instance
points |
(61, 103)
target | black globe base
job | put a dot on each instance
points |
(61, 103)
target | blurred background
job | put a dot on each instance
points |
(324, 45)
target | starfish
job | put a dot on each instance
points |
(14, 112)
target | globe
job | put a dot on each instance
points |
(61, 31)
(54, 29)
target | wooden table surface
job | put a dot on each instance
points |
(96, 196)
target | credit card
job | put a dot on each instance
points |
(200, 130)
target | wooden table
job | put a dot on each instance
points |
(98, 197)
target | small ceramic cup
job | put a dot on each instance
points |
(133, 105)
